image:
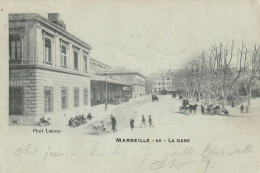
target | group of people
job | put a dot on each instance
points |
(114, 123)
(214, 110)
(143, 122)
(79, 120)
(149, 120)
(242, 108)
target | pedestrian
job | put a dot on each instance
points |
(70, 121)
(113, 122)
(143, 121)
(132, 121)
(103, 126)
(150, 121)
(242, 108)
(202, 109)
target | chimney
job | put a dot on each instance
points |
(55, 18)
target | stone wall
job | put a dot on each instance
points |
(57, 80)
(33, 80)
(25, 78)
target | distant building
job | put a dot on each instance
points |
(162, 81)
(133, 78)
(49, 68)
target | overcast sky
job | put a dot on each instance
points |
(153, 35)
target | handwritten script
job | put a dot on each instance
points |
(152, 160)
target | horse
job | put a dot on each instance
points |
(193, 108)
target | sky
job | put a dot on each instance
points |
(152, 35)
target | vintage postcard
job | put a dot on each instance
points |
(119, 86)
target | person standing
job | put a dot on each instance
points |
(132, 121)
(103, 126)
(150, 121)
(113, 122)
(202, 109)
(143, 121)
(242, 108)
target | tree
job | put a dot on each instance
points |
(252, 71)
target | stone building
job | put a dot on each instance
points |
(98, 66)
(162, 82)
(104, 86)
(134, 79)
(49, 68)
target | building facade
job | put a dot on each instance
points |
(49, 68)
(133, 78)
(98, 66)
(104, 87)
(162, 82)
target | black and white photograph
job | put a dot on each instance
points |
(130, 86)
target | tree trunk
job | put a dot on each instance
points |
(215, 101)
(249, 97)
(199, 96)
(224, 103)
(208, 98)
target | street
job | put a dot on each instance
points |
(167, 119)
(191, 139)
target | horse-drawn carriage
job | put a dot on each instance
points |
(188, 108)
(155, 98)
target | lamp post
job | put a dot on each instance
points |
(106, 92)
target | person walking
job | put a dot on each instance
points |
(242, 108)
(143, 121)
(113, 122)
(150, 121)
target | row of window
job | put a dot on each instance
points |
(48, 98)
(162, 88)
(64, 55)
(16, 99)
(163, 83)
(15, 51)
(164, 78)
(92, 64)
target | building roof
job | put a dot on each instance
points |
(121, 70)
(92, 59)
(163, 73)
(109, 80)
(28, 16)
